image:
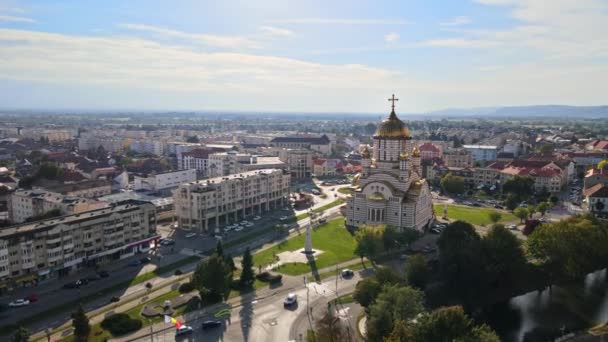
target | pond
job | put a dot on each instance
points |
(543, 316)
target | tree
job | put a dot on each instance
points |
(532, 210)
(450, 324)
(599, 206)
(542, 208)
(520, 186)
(571, 248)
(400, 333)
(452, 184)
(366, 291)
(330, 329)
(417, 271)
(219, 250)
(21, 335)
(545, 149)
(521, 213)
(369, 242)
(193, 139)
(394, 303)
(603, 165)
(503, 257)
(81, 325)
(212, 278)
(459, 258)
(511, 202)
(247, 274)
(494, 216)
(387, 276)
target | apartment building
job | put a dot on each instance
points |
(87, 189)
(320, 144)
(88, 141)
(299, 162)
(457, 158)
(53, 248)
(164, 180)
(227, 163)
(30, 203)
(482, 152)
(155, 147)
(205, 205)
(430, 151)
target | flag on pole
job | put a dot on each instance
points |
(169, 319)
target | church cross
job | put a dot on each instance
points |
(393, 99)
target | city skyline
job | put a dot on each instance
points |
(317, 57)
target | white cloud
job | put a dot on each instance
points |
(276, 31)
(341, 21)
(223, 41)
(16, 19)
(456, 21)
(392, 37)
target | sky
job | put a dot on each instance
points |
(301, 56)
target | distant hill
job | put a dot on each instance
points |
(534, 111)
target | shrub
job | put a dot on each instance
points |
(186, 287)
(120, 324)
(178, 272)
(114, 299)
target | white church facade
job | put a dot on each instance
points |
(391, 189)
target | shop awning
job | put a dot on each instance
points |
(29, 277)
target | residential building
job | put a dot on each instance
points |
(197, 159)
(164, 180)
(391, 190)
(457, 157)
(430, 151)
(52, 248)
(597, 145)
(595, 176)
(151, 146)
(299, 162)
(205, 205)
(597, 198)
(25, 204)
(227, 163)
(87, 189)
(326, 167)
(320, 144)
(482, 153)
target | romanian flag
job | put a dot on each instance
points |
(169, 319)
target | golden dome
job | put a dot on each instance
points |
(404, 156)
(392, 128)
(365, 154)
(416, 152)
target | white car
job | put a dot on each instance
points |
(291, 299)
(513, 227)
(249, 225)
(218, 237)
(19, 302)
(256, 218)
(283, 218)
(238, 229)
(190, 235)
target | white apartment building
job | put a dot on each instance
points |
(164, 180)
(52, 248)
(89, 141)
(227, 163)
(482, 152)
(29, 203)
(299, 162)
(155, 147)
(205, 205)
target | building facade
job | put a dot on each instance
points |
(55, 247)
(482, 153)
(391, 190)
(25, 204)
(205, 205)
(457, 157)
(320, 144)
(299, 162)
(164, 180)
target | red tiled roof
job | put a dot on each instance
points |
(598, 190)
(599, 145)
(428, 147)
(594, 171)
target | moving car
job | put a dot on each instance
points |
(211, 324)
(184, 330)
(282, 218)
(513, 227)
(190, 235)
(18, 303)
(256, 218)
(145, 260)
(322, 220)
(290, 300)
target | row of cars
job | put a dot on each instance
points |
(85, 281)
(438, 228)
(237, 227)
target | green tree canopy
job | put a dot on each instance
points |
(511, 202)
(417, 271)
(394, 303)
(494, 216)
(370, 242)
(542, 207)
(81, 325)
(452, 184)
(503, 257)
(603, 165)
(21, 335)
(247, 274)
(212, 278)
(520, 186)
(450, 324)
(521, 213)
(366, 291)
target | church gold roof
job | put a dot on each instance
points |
(392, 128)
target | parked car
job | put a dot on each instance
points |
(218, 237)
(134, 263)
(18, 303)
(167, 242)
(256, 218)
(211, 324)
(283, 218)
(498, 206)
(184, 330)
(347, 273)
(323, 220)
(190, 235)
(290, 300)
(513, 227)
(145, 260)
(435, 231)
(103, 273)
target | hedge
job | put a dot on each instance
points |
(121, 324)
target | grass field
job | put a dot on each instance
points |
(346, 191)
(332, 238)
(474, 215)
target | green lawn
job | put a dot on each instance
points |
(474, 215)
(346, 191)
(332, 238)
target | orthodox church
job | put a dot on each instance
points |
(391, 189)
